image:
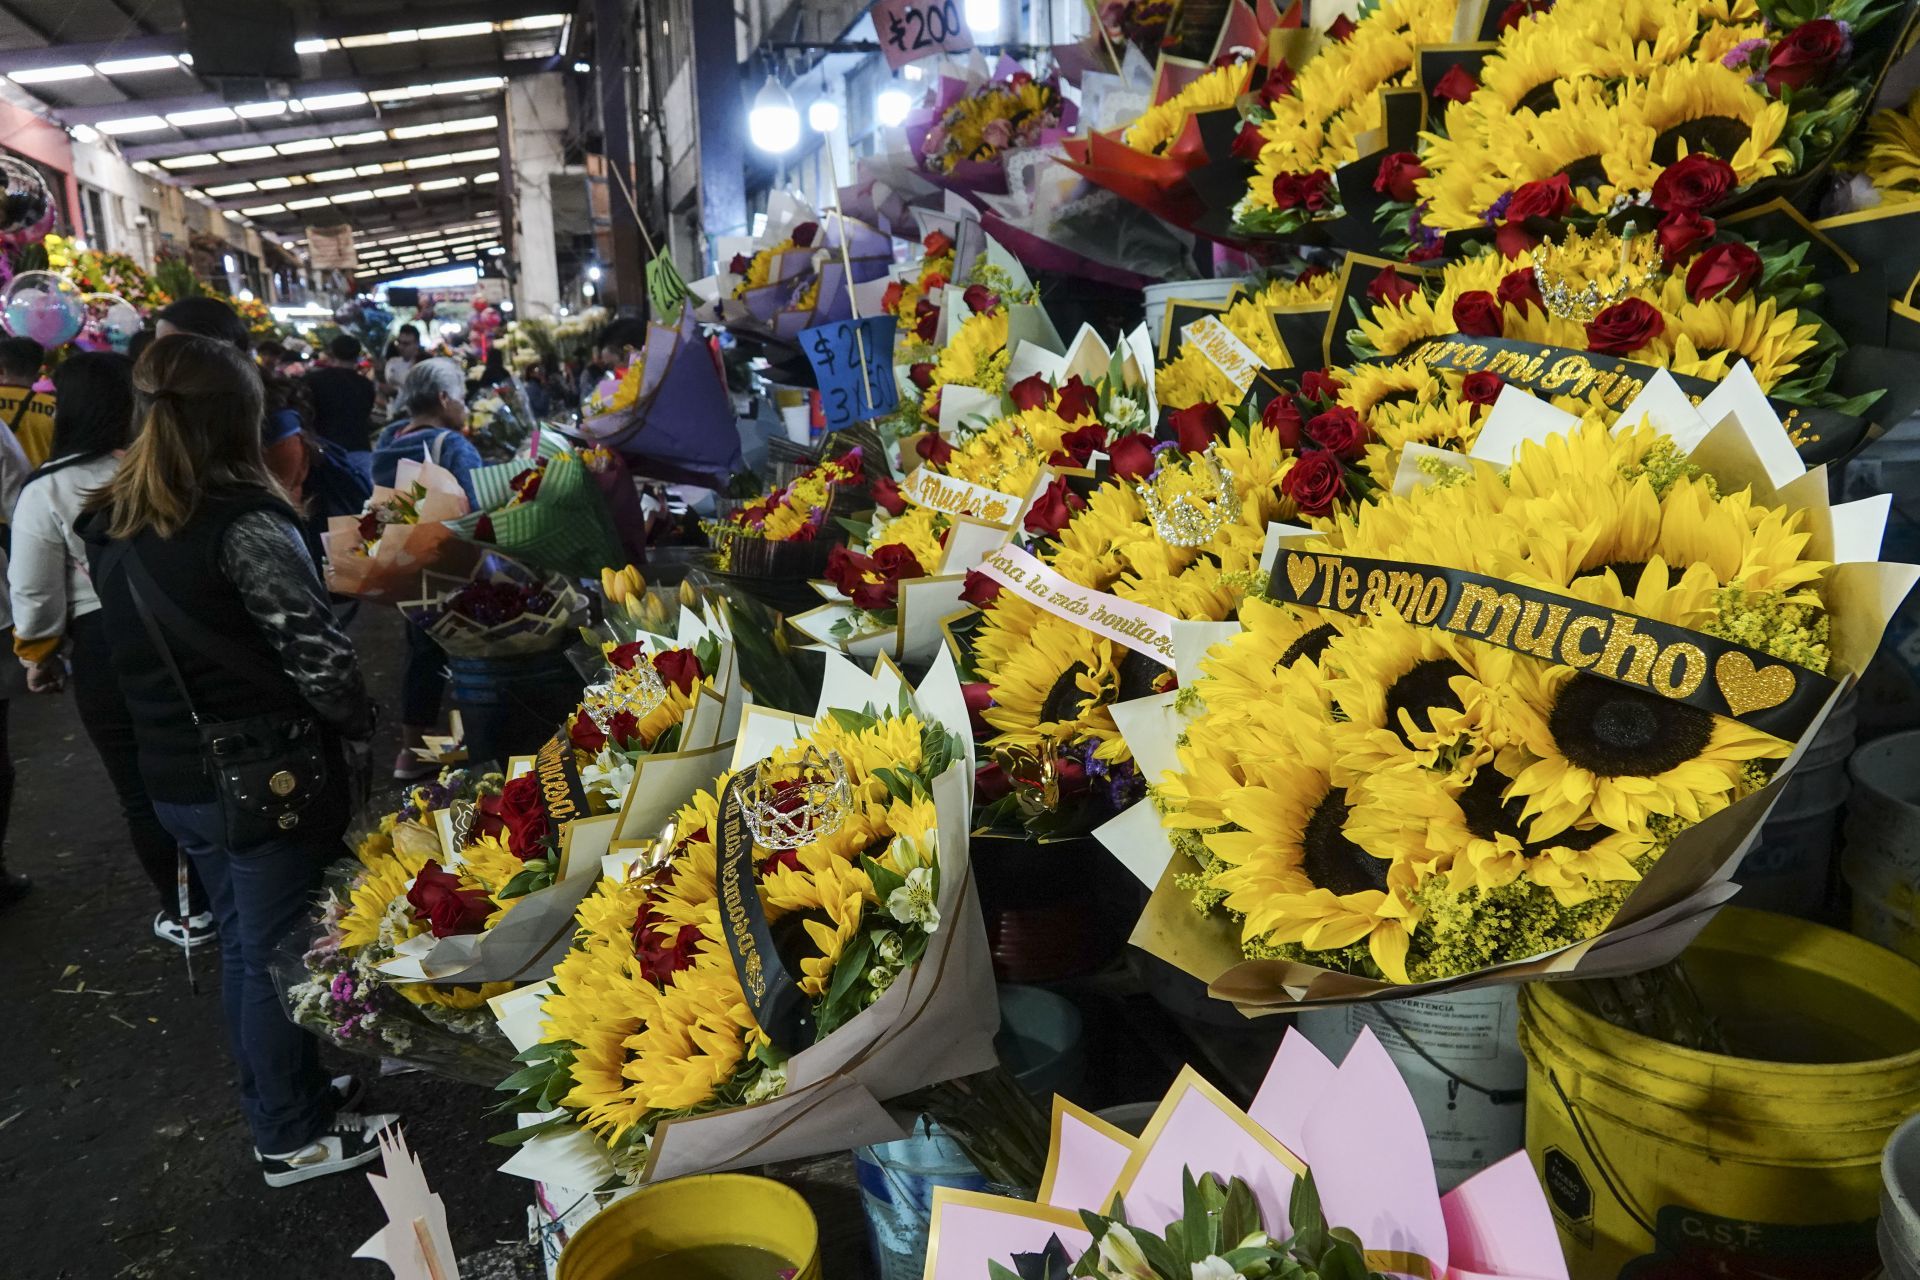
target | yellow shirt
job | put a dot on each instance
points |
(32, 427)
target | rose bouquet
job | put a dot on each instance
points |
(788, 531)
(1189, 376)
(499, 423)
(499, 609)
(795, 274)
(963, 131)
(1327, 1175)
(800, 943)
(1539, 740)
(545, 508)
(380, 554)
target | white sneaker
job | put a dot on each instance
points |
(351, 1140)
(185, 932)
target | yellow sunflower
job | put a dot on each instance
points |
(1892, 160)
(1159, 126)
(975, 356)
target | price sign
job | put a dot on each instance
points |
(910, 30)
(852, 391)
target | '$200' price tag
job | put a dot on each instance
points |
(913, 29)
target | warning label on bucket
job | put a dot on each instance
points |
(1567, 1186)
(1690, 1243)
(1451, 1030)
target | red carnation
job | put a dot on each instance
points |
(1805, 55)
(679, 668)
(1340, 432)
(1723, 271)
(1477, 314)
(436, 896)
(1682, 234)
(1077, 400)
(1053, 508)
(1281, 416)
(1198, 425)
(1315, 481)
(1624, 327)
(1457, 85)
(1520, 289)
(1398, 173)
(1131, 457)
(1693, 183)
(1390, 287)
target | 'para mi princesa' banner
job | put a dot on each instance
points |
(1672, 662)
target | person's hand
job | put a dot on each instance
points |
(46, 677)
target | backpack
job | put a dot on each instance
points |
(339, 483)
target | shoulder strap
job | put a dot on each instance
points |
(434, 449)
(155, 606)
(20, 410)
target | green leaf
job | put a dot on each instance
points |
(1342, 1261)
(850, 969)
(535, 1074)
(853, 721)
(515, 1137)
(1240, 1214)
(884, 881)
(1309, 1221)
(537, 875)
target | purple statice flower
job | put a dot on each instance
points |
(1497, 210)
(1743, 53)
(1164, 446)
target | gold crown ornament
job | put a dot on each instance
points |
(636, 690)
(1191, 519)
(1582, 275)
(807, 805)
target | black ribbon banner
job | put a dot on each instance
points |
(1672, 662)
(559, 781)
(779, 1006)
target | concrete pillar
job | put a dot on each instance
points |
(720, 133)
(536, 130)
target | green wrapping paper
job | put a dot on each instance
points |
(565, 529)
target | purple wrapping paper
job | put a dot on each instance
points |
(681, 429)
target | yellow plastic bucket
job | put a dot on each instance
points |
(1663, 1163)
(688, 1213)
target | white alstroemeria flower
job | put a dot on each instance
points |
(912, 902)
(609, 774)
(888, 947)
(1215, 1267)
(1121, 1257)
(770, 1083)
(880, 977)
(1126, 414)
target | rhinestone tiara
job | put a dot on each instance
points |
(1583, 275)
(789, 812)
(1191, 519)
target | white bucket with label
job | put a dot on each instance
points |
(1159, 295)
(1460, 1054)
(1882, 862)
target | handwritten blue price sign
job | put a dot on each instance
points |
(853, 386)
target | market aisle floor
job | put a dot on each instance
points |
(122, 1151)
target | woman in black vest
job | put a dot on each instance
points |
(216, 616)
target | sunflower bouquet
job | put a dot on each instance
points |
(1373, 791)
(789, 530)
(1290, 1188)
(965, 128)
(829, 866)
(794, 275)
(1189, 376)
(380, 553)
(667, 410)
(1604, 100)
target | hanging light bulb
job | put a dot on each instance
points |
(823, 115)
(983, 17)
(773, 123)
(891, 106)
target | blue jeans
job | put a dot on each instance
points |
(263, 902)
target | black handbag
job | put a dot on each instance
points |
(275, 776)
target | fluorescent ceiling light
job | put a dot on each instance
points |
(489, 176)
(455, 30)
(441, 184)
(494, 251)
(305, 146)
(410, 131)
(51, 75)
(480, 85)
(368, 170)
(84, 134)
(134, 66)
(275, 184)
(361, 139)
(386, 193)
(311, 202)
(311, 46)
(203, 115)
(331, 175)
(189, 162)
(232, 189)
(260, 110)
(352, 197)
(478, 153)
(237, 154)
(332, 101)
(540, 22)
(260, 210)
(401, 95)
(132, 124)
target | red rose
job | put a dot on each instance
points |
(1020, 78)
(1077, 400)
(585, 734)
(886, 496)
(624, 656)
(1313, 191)
(1513, 241)
(980, 298)
(1457, 85)
(623, 729)
(1723, 271)
(1520, 288)
(1398, 173)
(1248, 143)
(1481, 388)
(926, 320)
(846, 570)
(1315, 481)
(1546, 198)
(1198, 425)
(1343, 27)
(979, 590)
(1624, 328)
(803, 234)
(937, 244)
(1071, 774)
(875, 597)
(659, 955)
(921, 374)
(1031, 392)
(1693, 183)
(896, 561)
(1805, 55)
(1131, 457)
(890, 300)
(1281, 416)
(1077, 447)
(1477, 314)
(1520, 10)
(436, 897)
(740, 265)
(990, 783)
(1682, 234)
(369, 527)
(483, 529)
(1390, 287)
(1053, 508)
(979, 696)
(679, 668)
(486, 817)
(1317, 384)
(1340, 432)
(934, 448)
(934, 283)
(523, 812)
(1278, 84)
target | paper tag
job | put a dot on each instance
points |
(1140, 628)
(1229, 355)
(926, 487)
(910, 30)
(853, 360)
